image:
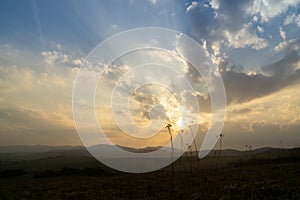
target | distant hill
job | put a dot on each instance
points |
(24, 152)
(40, 158)
(35, 148)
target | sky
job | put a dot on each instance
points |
(254, 44)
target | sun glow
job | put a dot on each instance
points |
(180, 123)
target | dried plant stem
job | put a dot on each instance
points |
(182, 145)
(220, 148)
(172, 164)
(196, 148)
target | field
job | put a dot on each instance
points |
(268, 174)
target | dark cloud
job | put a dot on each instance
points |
(158, 112)
(202, 20)
(145, 97)
(27, 126)
(231, 13)
(241, 87)
(193, 75)
(189, 97)
(220, 21)
(149, 104)
(286, 66)
(242, 111)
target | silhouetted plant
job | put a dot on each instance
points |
(249, 148)
(168, 126)
(190, 161)
(195, 146)
(221, 136)
(181, 146)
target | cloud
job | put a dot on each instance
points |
(242, 87)
(154, 2)
(282, 44)
(35, 126)
(260, 29)
(77, 62)
(203, 101)
(14, 80)
(245, 37)
(35, 103)
(290, 19)
(150, 103)
(242, 111)
(282, 34)
(236, 24)
(224, 24)
(57, 57)
(23, 114)
(192, 6)
(53, 57)
(268, 9)
(12, 56)
(158, 112)
(288, 66)
(265, 121)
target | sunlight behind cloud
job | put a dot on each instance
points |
(255, 45)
